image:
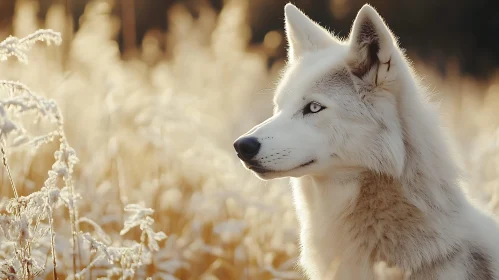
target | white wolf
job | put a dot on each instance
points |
(373, 179)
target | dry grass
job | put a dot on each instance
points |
(157, 130)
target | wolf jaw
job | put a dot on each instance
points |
(380, 184)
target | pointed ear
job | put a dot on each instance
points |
(304, 35)
(371, 44)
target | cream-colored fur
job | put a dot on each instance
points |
(372, 178)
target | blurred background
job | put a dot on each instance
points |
(153, 93)
(434, 30)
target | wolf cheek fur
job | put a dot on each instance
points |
(390, 191)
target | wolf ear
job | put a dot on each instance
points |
(371, 44)
(304, 35)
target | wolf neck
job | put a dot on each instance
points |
(364, 216)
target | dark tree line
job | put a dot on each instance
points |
(437, 30)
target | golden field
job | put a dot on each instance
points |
(155, 130)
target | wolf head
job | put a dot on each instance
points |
(337, 104)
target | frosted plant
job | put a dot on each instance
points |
(13, 46)
(25, 225)
(128, 257)
(141, 217)
(27, 222)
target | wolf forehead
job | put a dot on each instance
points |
(325, 75)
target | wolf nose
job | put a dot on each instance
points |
(247, 147)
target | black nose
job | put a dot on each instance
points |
(247, 147)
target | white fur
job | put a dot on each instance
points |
(382, 185)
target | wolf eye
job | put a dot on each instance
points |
(313, 107)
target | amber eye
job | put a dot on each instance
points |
(312, 108)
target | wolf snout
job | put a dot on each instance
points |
(247, 147)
